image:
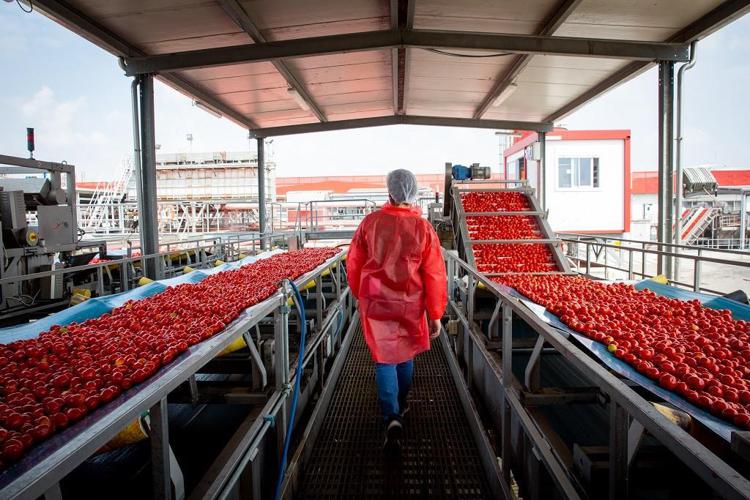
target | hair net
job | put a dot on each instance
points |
(402, 186)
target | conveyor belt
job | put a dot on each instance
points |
(439, 457)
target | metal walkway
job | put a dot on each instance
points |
(439, 457)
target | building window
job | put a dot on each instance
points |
(573, 173)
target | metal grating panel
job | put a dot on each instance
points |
(439, 458)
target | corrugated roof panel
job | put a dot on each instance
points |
(359, 84)
(288, 19)
(221, 86)
(166, 25)
(234, 70)
(646, 20)
(501, 16)
(320, 90)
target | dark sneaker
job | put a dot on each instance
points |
(393, 432)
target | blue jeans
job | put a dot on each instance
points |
(394, 382)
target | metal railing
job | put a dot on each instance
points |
(171, 261)
(319, 215)
(511, 398)
(696, 268)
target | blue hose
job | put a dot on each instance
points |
(297, 381)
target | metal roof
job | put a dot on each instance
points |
(353, 63)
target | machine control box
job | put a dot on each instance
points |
(56, 226)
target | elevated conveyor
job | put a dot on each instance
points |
(444, 452)
(466, 221)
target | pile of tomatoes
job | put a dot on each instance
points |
(50, 382)
(513, 258)
(503, 227)
(699, 353)
(495, 201)
(505, 257)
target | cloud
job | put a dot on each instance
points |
(56, 120)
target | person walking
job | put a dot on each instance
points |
(397, 273)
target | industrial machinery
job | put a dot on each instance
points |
(39, 234)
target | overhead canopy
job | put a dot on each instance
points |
(291, 66)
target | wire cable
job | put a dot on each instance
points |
(31, 6)
(297, 381)
(470, 56)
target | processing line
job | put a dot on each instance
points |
(567, 424)
(254, 378)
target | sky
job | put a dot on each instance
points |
(78, 100)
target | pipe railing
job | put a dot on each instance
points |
(203, 255)
(597, 254)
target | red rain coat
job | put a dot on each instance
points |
(396, 271)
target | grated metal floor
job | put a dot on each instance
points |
(439, 458)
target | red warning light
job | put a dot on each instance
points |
(30, 140)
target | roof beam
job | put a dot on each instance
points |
(714, 20)
(242, 19)
(80, 24)
(401, 120)
(508, 77)
(402, 18)
(372, 40)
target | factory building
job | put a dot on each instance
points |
(585, 168)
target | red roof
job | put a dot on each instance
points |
(732, 178)
(345, 183)
(644, 182)
(647, 182)
(528, 137)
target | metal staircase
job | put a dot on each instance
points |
(98, 215)
(695, 221)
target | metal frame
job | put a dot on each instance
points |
(666, 166)
(403, 38)
(402, 18)
(146, 179)
(629, 405)
(262, 218)
(380, 121)
(712, 21)
(48, 463)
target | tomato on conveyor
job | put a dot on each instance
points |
(513, 258)
(49, 382)
(702, 354)
(495, 201)
(503, 227)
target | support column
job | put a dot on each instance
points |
(666, 166)
(148, 218)
(262, 193)
(542, 194)
(743, 219)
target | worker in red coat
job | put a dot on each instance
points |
(396, 271)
